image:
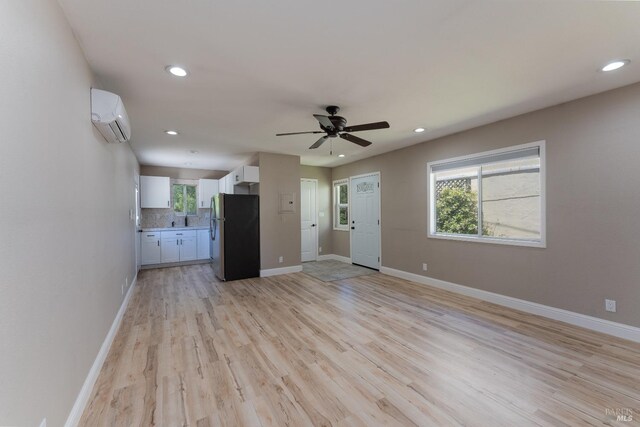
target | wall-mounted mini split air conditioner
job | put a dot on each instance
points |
(109, 116)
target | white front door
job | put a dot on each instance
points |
(365, 220)
(308, 223)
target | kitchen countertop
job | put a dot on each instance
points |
(195, 227)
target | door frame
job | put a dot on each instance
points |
(379, 215)
(137, 221)
(315, 218)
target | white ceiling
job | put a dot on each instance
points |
(262, 67)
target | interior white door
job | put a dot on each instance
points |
(308, 221)
(365, 220)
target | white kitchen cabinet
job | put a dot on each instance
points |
(150, 248)
(222, 185)
(246, 175)
(188, 247)
(204, 240)
(228, 184)
(207, 188)
(155, 192)
(178, 246)
(170, 249)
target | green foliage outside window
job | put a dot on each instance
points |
(184, 199)
(341, 198)
(457, 211)
(344, 194)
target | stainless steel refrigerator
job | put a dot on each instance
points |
(235, 234)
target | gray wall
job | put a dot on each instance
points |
(593, 250)
(279, 232)
(325, 204)
(69, 242)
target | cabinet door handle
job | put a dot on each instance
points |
(180, 242)
(176, 242)
(158, 242)
(167, 203)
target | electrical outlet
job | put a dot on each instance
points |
(424, 266)
(320, 249)
(281, 260)
(610, 305)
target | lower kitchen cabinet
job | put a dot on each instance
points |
(150, 248)
(161, 247)
(188, 247)
(170, 249)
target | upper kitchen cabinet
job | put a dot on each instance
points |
(155, 192)
(246, 175)
(207, 188)
(228, 183)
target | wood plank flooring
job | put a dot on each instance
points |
(367, 351)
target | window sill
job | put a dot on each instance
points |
(509, 242)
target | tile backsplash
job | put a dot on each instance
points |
(161, 218)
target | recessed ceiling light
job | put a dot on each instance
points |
(171, 132)
(340, 155)
(176, 71)
(419, 130)
(193, 151)
(614, 65)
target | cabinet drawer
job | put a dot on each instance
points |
(178, 234)
(150, 236)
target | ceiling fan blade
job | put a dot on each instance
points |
(324, 121)
(318, 142)
(299, 133)
(361, 142)
(368, 126)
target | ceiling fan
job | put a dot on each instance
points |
(335, 126)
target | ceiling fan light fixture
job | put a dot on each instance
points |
(614, 65)
(176, 70)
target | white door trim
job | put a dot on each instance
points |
(315, 216)
(379, 214)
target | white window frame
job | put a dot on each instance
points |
(336, 205)
(537, 243)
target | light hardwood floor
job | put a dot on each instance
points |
(367, 351)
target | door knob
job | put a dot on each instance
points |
(353, 228)
(313, 225)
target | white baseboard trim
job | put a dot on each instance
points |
(281, 270)
(334, 257)
(616, 329)
(89, 382)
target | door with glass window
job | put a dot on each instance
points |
(364, 220)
